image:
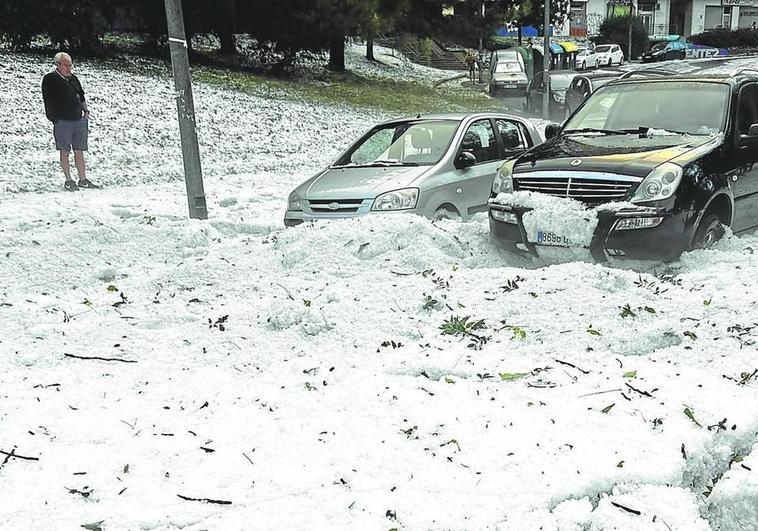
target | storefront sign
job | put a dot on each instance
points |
(738, 2)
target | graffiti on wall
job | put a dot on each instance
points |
(593, 23)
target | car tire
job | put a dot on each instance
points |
(446, 212)
(710, 231)
(610, 61)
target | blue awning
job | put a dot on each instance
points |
(555, 48)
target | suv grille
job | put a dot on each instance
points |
(586, 189)
(336, 206)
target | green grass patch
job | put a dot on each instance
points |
(352, 90)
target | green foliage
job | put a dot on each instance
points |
(615, 30)
(457, 326)
(690, 415)
(726, 38)
(510, 376)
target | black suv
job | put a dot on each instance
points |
(658, 164)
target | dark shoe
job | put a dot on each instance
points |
(86, 183)
(70, 186)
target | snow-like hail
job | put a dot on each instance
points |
(373, 373)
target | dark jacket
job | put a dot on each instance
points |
(64, 98)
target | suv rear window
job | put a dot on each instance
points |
(657, 105)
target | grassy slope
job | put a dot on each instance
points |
(350, 89)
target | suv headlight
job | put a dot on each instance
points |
(661, 183)
(396, 200)
(294, 202)
(503, 182)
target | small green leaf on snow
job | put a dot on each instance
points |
(307, 302)
(691, 416)
(620, 465)
(606, 409)
(449, 380)
(630, 374)
(648, 309)
(111, 288)
(96, 526)
(510, 376)
(593, 331)
(707, 302)
(691, 335)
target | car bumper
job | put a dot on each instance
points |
(663, 242)
(519, 88)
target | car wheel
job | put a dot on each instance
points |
(446, 212)
(710, 231)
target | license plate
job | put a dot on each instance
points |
(545, 237)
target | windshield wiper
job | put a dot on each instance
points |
(595, 130)
(377, 164)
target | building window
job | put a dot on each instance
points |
(726, 17)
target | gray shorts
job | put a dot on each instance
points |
(71, 133)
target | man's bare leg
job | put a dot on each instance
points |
(65, 165)
(79, 161)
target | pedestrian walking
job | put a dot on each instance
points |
(66, 107)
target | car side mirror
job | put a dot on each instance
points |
(465, 160)
(552, 130)
(753, 131)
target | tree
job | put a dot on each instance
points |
(615, 30)
(386, 14)
(532, 13)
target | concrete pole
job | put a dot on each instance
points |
(546, 64)
(193, 175)
(631, 17)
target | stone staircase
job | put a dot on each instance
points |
(413, 49)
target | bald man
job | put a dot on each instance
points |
(66, 107)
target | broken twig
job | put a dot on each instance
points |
(98, 358)
(205, 500)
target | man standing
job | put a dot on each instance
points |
(66, 107)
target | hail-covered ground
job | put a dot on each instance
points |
(375, 373)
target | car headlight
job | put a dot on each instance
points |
(503, 183)
(661, 183)
(396, 200)
(294, 202)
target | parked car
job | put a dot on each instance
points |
(559, 82)
(688, 169)
(438, 166)
(583, 85)
(665, 51)
(511, 55)
(609, 55)
(586, 59)
(508, 77)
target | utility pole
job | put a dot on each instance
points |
(185, 106)
(481, 45)
(546, 64)
(631, 17)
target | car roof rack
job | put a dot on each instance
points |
(648, 72)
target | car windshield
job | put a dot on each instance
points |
(560, 82)
(604, 48)
(585, 52)
(599, 82)
(402, 144)
(654, 105)
(659, 46)
(508, 67)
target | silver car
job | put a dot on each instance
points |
(438, 166)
